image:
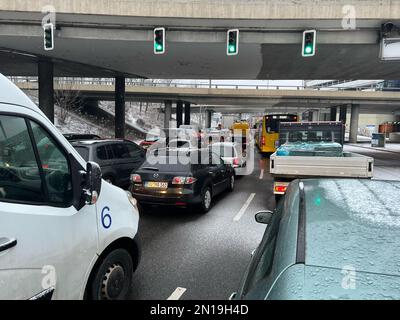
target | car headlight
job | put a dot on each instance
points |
(132, 200)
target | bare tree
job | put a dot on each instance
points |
(66, 97)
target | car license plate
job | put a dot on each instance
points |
(157, 185)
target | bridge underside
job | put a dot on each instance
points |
(94, 46)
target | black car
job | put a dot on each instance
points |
(117, 158)
(81, 136)
(182, 178)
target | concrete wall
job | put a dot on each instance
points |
(220, 9)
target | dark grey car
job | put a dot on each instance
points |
(117, 158)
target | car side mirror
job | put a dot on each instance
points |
(264, 217)
(93, 183)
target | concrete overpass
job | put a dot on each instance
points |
(244, 100)
(231, 100)
(115, 38)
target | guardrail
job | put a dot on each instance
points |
(199, 85)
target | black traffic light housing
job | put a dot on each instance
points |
(159, 40)
(309, 43)
(232, 42)
(48, 36)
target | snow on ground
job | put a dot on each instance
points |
(76, 124)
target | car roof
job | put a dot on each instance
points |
(11, 94)
(98, 141)
(353, 222)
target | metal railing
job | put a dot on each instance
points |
(201, 85)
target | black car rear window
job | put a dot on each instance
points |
(101, 153)
(84, 152)
(120, 151)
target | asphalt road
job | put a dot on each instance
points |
(208, 254)
(204, 254)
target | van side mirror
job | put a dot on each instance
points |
(264, 217)
(93, 183)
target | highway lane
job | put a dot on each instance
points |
(187, 255)
(193, 256)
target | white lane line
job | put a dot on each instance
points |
(244, 208)
(262, 174)
(177, 294)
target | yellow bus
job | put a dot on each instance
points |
(267, 131)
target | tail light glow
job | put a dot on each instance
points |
(183, 180)
(280, 189)
(136, 178)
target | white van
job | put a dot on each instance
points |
(64, 232)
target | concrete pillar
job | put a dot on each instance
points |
(333, 115)
(46, 88)
(355, 114)
(167, 113)
(343, 114)
(315, 116)
(179, 113)
(187, 113)
(120, 107)
(208, 118)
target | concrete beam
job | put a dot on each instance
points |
(120, 107)
(179, 114)
(223, 9)
(333, 114)
(167, 113)
(208, 118)
(355, 113)
(187, 113)
(46, 88)
(343, 114)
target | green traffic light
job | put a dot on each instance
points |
(159, 47)
(308, 49)
(232, 48)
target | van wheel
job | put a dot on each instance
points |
(113, 278)
(206, 200)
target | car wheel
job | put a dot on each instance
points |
(206, 200)
(113, 277)
(231, 183)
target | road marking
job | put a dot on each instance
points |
(244, 208)
(177, 294)
(262, 174)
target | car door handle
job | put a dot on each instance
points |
(6, 243)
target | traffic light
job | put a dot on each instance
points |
(309, 40)
(48, 36)
(232, 42)
(159, 40)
